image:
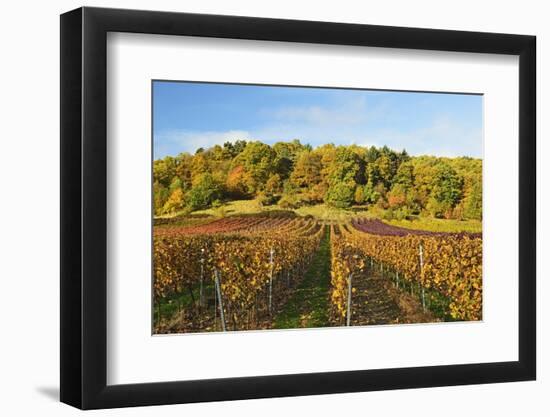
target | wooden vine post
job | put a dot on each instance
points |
(201, 298)
(397, 279)
(421, 254)
(348, 315)
(271, 252)
(219, 296)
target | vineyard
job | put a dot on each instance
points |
(280, 271)
(448, 264)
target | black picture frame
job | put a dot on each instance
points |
(84, 207)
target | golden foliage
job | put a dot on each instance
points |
(452, 265)
(242, 258)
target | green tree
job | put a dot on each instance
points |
(287, 154)
(370, 195)
(175, 184)
(345, 167)
(218, 153)
(372, 154)
(164, 170)
(405, 175)
(160, 195)
(239, 146)
(373, 175)
(385, 170)
(340, 195)
(473, 202)
(205, 191)
(446, 191)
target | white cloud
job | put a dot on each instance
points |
(190, 141)
(444, 137)
(343, 123)
(354, 111)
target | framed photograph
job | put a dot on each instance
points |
(257, 208)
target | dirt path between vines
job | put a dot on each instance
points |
(375, 300)
(309, 305)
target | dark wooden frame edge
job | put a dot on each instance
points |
(84, 221)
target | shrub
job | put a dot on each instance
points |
(289, 201)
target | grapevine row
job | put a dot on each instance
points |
(450, 264)
(267, 254)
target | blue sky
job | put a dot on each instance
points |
(188, 115)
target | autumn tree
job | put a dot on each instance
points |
(175, 202)
(199, 166)
(274, 185)
(307, 171)
(259, 163)
(237, 183)
(397, 196)
(359, 196)
(183, 170)
(293, 174)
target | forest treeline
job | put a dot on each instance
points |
(291, 174)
